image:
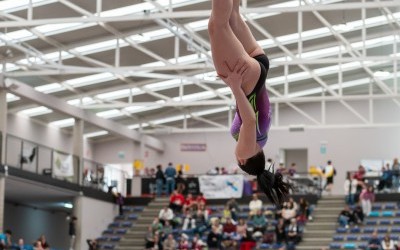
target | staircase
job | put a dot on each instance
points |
(318, 233)
(134, 239)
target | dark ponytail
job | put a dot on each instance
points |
(270, 183)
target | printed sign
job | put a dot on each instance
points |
(221, 186)
(193, 147)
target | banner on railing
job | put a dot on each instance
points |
(221, 186)
(63, 165)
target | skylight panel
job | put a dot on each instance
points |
(50, 88)
(169, 119)
(41, 110)
(85, 101)
(91, 79)
(95, 134)
(9, 6)
(63, 123)
(164, 84)
(20, 35)
(110, 113)
(51, 29)
(11, 97)
(119, 94)
(211, 111)
(127, 10)
(100, 46)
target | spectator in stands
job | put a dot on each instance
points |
(293, 232)
(259, 222)
(166, 230)
(292, 169)
(374, 243)
(166, 214)
(160, 179)
(149, 238)
(350, 189)
(184, 243)
(280, 231)
(176, 201)
(44, 242)
(358, 215)
(189, 221)
(288, 212)
(282, 169)
(120, 202)
(170, 243)
(72, 231)
(255, 205)
(241, 229)
(190, 202)
(181, 183)
(229, 229)
(214, 239)
(304, 210)
(201, 199)
(156, 225)
(345, 217)
(5, 239)
(38, 245)
(293, 203)
(367, 197)
(158, 245)
(216, 226)
(385, 180)
(197, 243)
(330, 173)
(170, 174)
(396, 174)
(224, 171)
(201, 215)
(388, 243)
(21, 245)
(233, 208)
(359, 176)
(92, 244)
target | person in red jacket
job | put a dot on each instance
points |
(190, 202)
(200, 199)
(176, 201)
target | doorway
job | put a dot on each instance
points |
(298, 156)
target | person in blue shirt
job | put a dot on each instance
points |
(5, 239)
(170, 174)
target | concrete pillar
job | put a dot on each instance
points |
(2, 201)
(78, 145)
(3, 121)
(78, 212)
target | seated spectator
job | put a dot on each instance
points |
(149, 238)
(169, 243)
(158, 244)
(202, 214)
(197, 243)
(255, 205)
(166, 230)
(228, 244)
(183, 243)
(166, 214)
(345, 217)
(189, 221)
(44, 242)
(374, 243)
(229, 229)
(280, 231)
(92, 244)
(21, 245)
(293, 232)
(5, 239)
(234, 208)
(214, 239)
(201, 199)
(156, 226)
(293, 204)
(259, 222)
(38, 245)
(350, 189)
(304, 209)
(226, 213)
(388, 243)
(176, 201)
(190, 202)
(288, 212)
(358, 215)
(216, 226)
(241, 229)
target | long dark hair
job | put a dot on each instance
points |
(270, 183)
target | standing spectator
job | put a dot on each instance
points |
(280, 231)
(255, 205)
(170, 174)
(120, 203)
(396, 174)
(387, 243)
(330, 173)
(176, 201)
(166, 214)
(170, 243)
(159, 180)
(350, 189)
(233, 208)
(359, 176)
(72, 232)
(374, 242)
(5, 239)
(181, 183)
(367, 197)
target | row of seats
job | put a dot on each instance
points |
(365, 237)
(366, 230)
(111, 231)
(350, 245)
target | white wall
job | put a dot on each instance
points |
(29, 224)
(93, 218)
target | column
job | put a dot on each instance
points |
(78, 212)
(78, 146)
(3, 121)
(2, 200)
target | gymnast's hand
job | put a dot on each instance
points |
(234, 79)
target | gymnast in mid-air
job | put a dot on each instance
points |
(242, 64)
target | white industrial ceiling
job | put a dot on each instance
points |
(146, 65)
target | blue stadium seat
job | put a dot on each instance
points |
(108, 231)
(376, 207)
(390, 206)
(374, 214)
(352, 237)
(265, 246)
(335, 245)
(355, 230)
(349, 246)
(362, 246)
(119, 217)
(387, 214)
(115, 238)
(398, 214)
(395, 229)
(127, 209)
(341, 230)
(114, 224)
(395, 237)
(126, 224)
(108, 246)
(368, 230)
(138, 209)
(121, 231)
(371, 222)
(396, 221)
(102, 238)
(133, 217)
(385, 222)
(365, 237)
(338, 238)
(383, 230)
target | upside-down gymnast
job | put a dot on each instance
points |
(242, 64)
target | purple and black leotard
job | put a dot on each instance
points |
(259, 100)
